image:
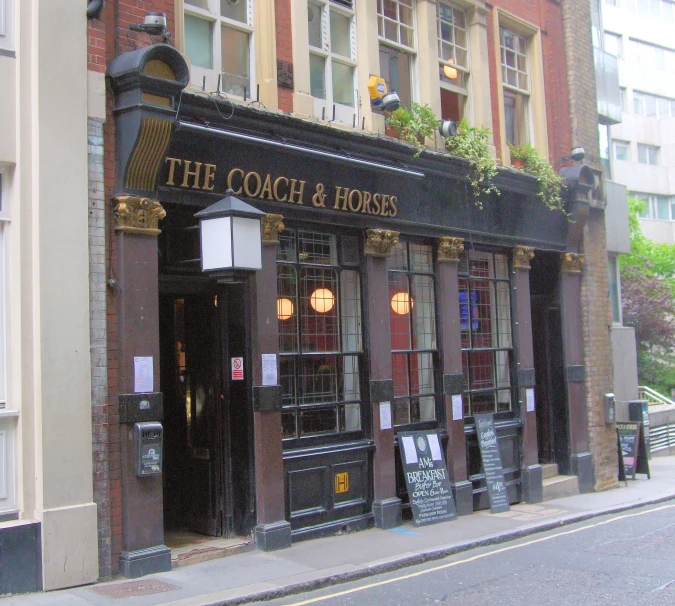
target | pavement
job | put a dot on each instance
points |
(309, 565)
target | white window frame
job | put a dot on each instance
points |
(323, 108)
(7, 27)
(617, 143)
(411, 51)
(517, 91)
(618, 38)
(614, 270)
(453, 64)
(212, 15)
(647, 149)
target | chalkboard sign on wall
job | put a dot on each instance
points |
(492, 463)
(426, 476)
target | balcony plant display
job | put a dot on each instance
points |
(550, 183)
(414, 125)
(471, 143)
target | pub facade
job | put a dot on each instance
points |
(389, 299)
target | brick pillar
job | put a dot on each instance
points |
(581, 460)
(453, 378)
(531, 472)
(386, 505)
(136, 221)
(272, 531)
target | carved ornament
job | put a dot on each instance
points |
(137, 215)
(379, 242)
(522, 256)
(271, 226)
(572, 263)
(449, 249)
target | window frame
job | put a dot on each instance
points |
(648, 150)
(410, 272)
(323, 108)
(618, 143)
(300, 356)
(7, 27)
(217, 22)
(517, 97)
(467, 391)
(397, 46)
(614, 286)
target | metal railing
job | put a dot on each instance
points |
(652, 396)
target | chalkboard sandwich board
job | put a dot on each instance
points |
(426, 476)
(632, 450)
(492, 463)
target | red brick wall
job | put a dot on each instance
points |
(282, 14)
(547, 16)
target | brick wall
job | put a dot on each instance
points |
(597, 319)
(282, 14)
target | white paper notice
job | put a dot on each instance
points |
(385, 415)
(529, 396)
(269, 369)
(435, 447)
(457, 408)
(409, 449)
(143, 382)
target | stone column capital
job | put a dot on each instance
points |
(449, 249)
(136, 215)
(379, 242)
(572, 263)
(522, 256)
(272, 225)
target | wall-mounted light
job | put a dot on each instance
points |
(401, 303)
(322, 300)
(447, 128)
(285, 308)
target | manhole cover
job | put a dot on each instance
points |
(118, 591)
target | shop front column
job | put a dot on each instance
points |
(531, 471)
(136, 225)
(581, 460)
(449, 249)
(272, 530)
(386, 505)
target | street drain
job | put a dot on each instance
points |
(119, 591)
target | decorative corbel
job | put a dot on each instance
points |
(137, 215)
(571, 263)
(271, 226)
(522, 256)
(449, 249)
(379, 242)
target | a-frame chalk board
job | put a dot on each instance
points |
(492, 463)
(426, 476)
(632, 450)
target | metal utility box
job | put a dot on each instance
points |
(610, 408)
(148, 448)
(638, 410)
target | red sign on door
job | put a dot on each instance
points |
(237, 369)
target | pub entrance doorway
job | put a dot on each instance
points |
(550, 389)
(208, 436)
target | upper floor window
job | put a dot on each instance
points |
(657, 206)
(3, 323)
(396, 30)
(648, 154)
(652, 56)
(453, 57)
(6, 25)
(614, 287)
(412, 313)
(485, 322)
(663, 10)
(219, 42)
(332, 59)
(613, 44)
(320, 342)
(621, 150)
(516, 84)
(653, 106)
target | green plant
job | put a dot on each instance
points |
(414, 125)
(550, 183)
(471, 143)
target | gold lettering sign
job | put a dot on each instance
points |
(188, 174)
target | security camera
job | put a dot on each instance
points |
(390, 102)
(447, 128)
(578, 154)
(154, 24)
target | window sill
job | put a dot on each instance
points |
(7, 53)
(8, 414)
